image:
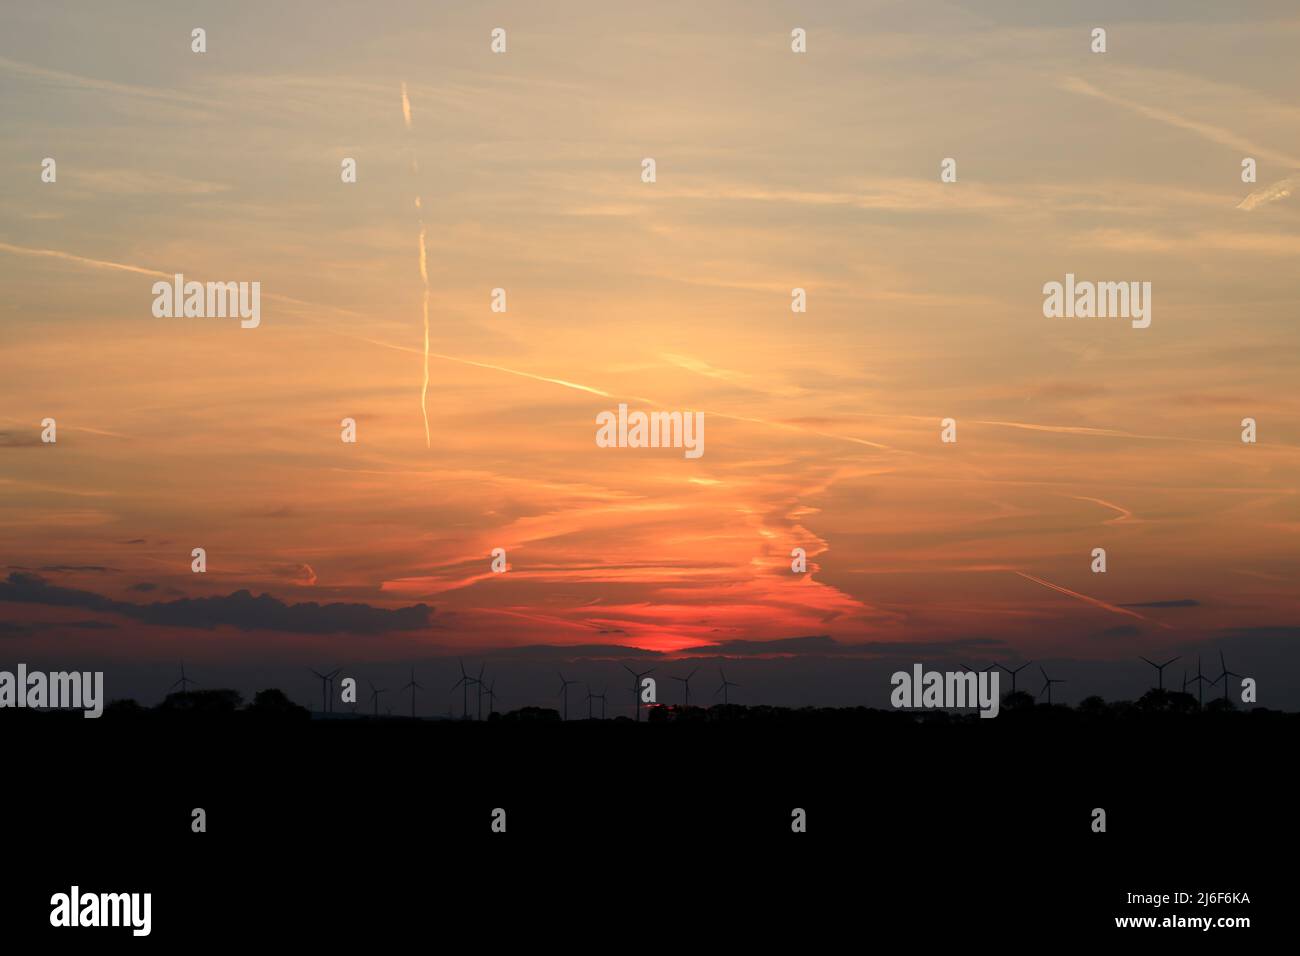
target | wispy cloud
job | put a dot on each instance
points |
(1208, 131)
(1271, 193)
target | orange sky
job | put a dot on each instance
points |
(774, 171)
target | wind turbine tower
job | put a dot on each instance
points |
(326, 689)
(724, 687)
(411, 685)
(687, 682)
(636, 686)
(1047, 687)
(1160, 669)
(564, 691)
(1013, 673)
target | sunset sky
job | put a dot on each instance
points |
(774, 171)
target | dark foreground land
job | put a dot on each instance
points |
(661, 834)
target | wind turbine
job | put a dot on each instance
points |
(1160, 668)
(564, 691)
(1200, 682)
(463, 684)
(636, 686)
(491, 696)
(1047, 687)
(374, 694)
(590, 698)
(184, 681)
(326, 689)
(687, 681)
(601, 697)
(1013, 673)
(1224, 676)
(412, 684)
(723, 688)
(479, 682)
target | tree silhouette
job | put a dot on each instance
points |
(124, 709)
(1094, 706)
(1020, 700)
(273, 702)
(208, 703)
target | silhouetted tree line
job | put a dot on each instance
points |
(1017, 707)
(269, 704)
(218, 703)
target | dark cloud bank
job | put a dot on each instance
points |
(240, 610)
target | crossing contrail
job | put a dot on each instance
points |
(424, 276)
(1081, 597)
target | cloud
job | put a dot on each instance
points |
(1275, 632)
(1181, 602)
(25, 588)
(824, 645)
(283, 511)
(149, 587)
(13, 629)
(1271, 193)
(65, 568)
(1122, 630)
(566, 652)
(303, 575)
(818, 644)
(241, 610)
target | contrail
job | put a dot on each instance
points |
(1215, 134)
(424, 277)
(1102, 432)
(141, 270)
(1081, 597)
(1124, 513)
(604, 394)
